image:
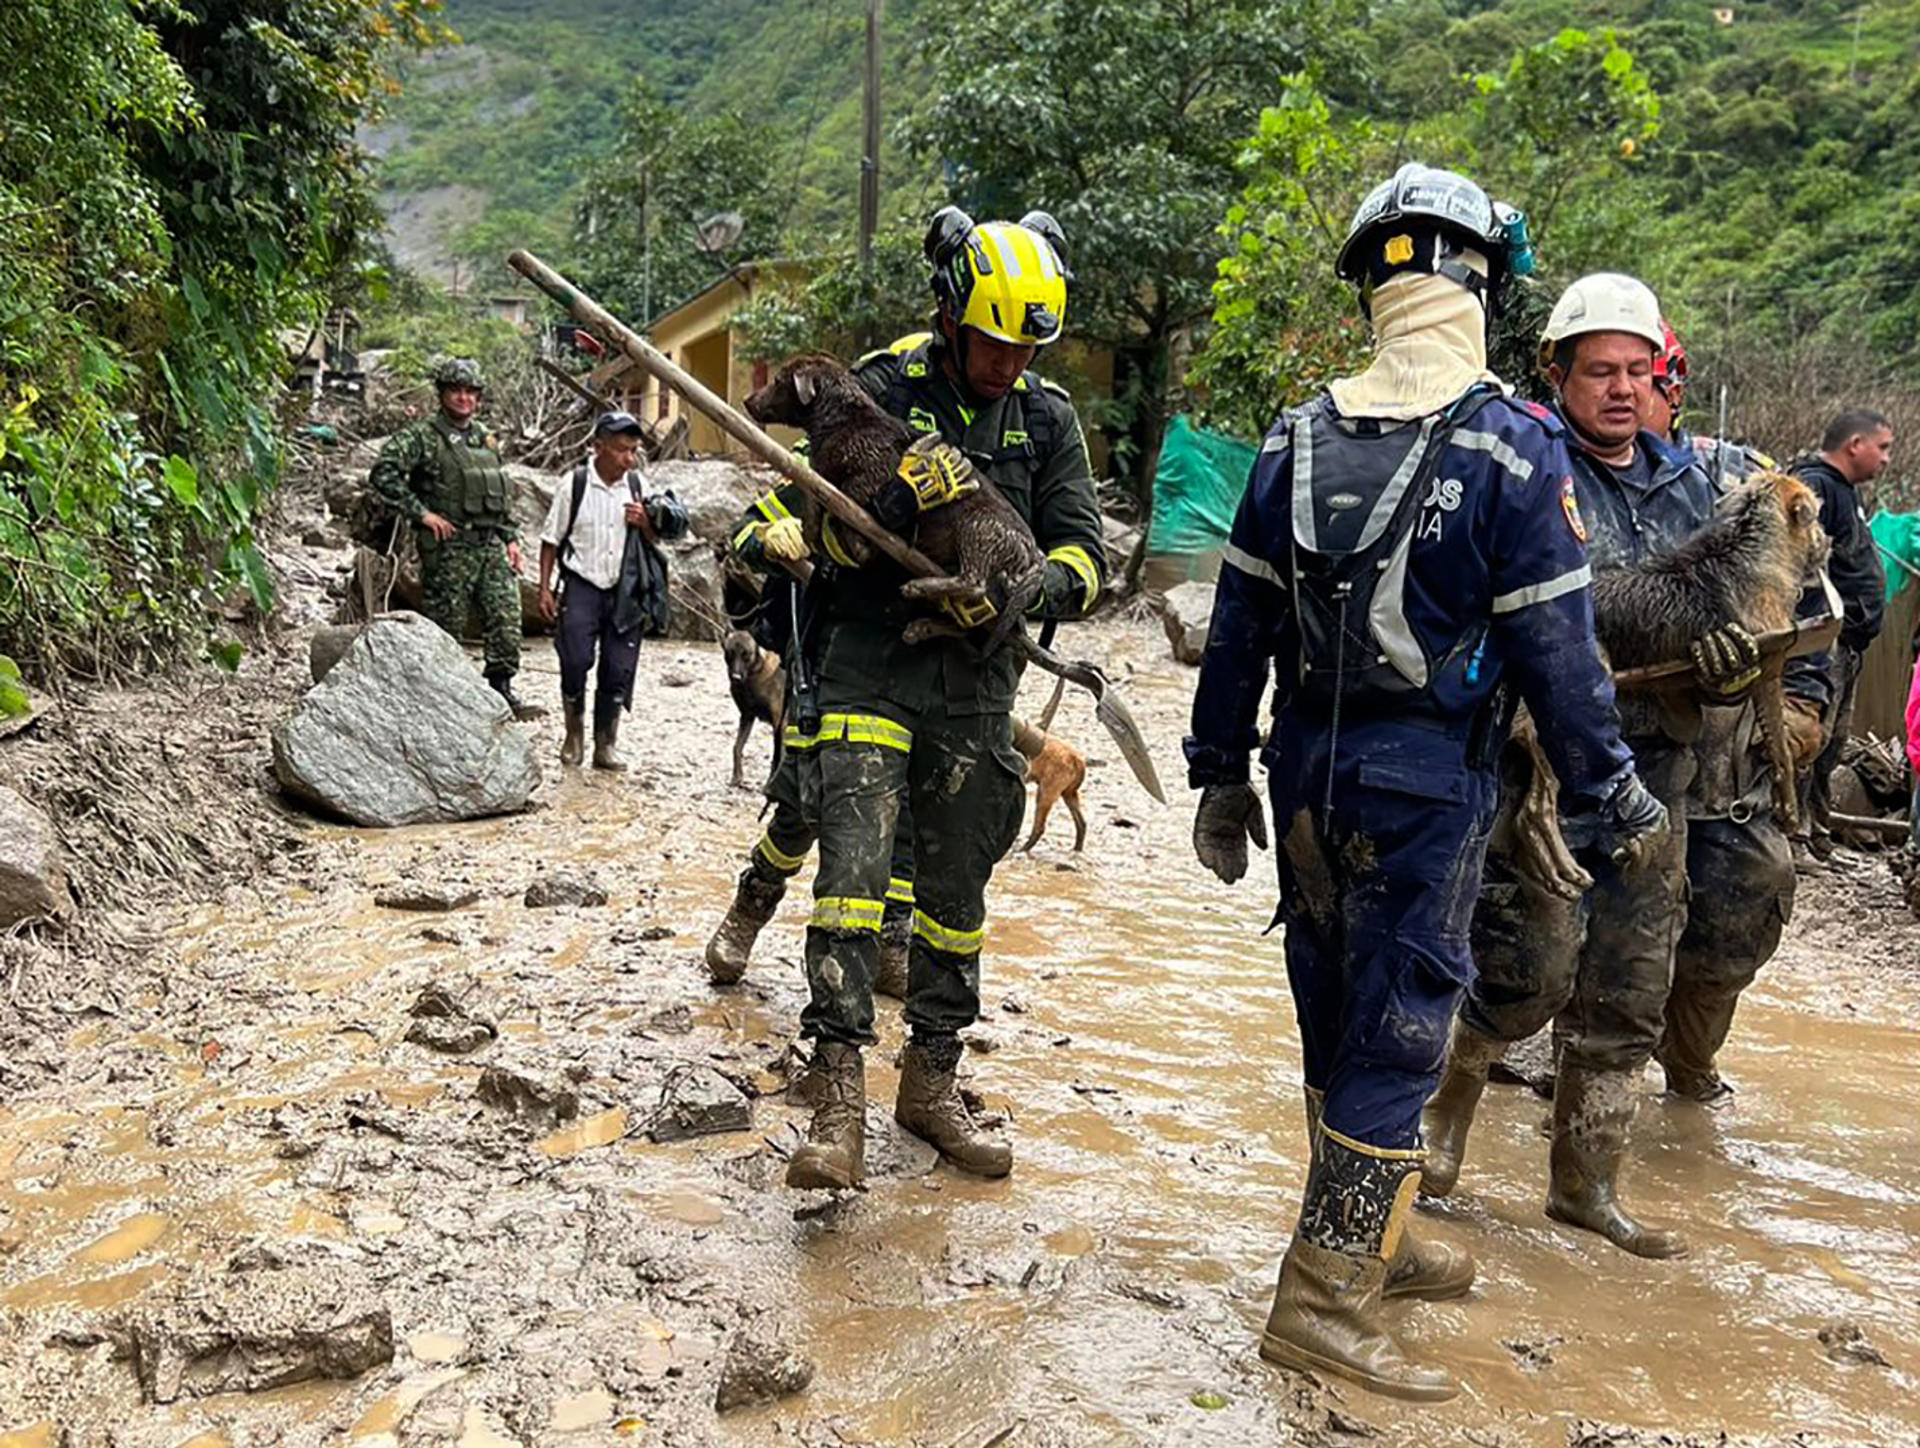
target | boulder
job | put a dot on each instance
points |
(695, 591)
(33, 882)
(402, 731)
(1187, 611)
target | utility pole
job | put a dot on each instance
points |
(870, 160)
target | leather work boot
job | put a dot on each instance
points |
(835, 1153)
(896, 939)
(1426, 1268)
(1326, 1308)
(1449, 1113)
(503, 686)
(574, 746)
(606, 734)
(929, 1106)
(755, 899)
(1592, 1111)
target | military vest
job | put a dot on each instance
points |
(473, 487)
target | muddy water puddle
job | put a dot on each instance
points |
(1111, 1291)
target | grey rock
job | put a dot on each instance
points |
(260, 1323)
(403, 730)
(33, 881)
(696, 1100)
(328, 646)
(427, 895)
(565, 887)
(694, 591)
(447, 1017)
(759, 1367)
(1186, 611)
(539, 1106)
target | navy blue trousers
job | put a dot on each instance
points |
(586, 630)
(1376, 895)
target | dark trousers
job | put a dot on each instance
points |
(586, 629)
(1816, 789)
(790, 836)
(1376, 900)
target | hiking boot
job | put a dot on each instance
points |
(502, 685)
(606, 734)
(1425, 1268)
(574, 746)
(896, 939)
(1709, 1089)
(1449, 1114)
(835, 1152)
(755, 899)
(929, 1106)
(1326, 1307)
(1592, 1111)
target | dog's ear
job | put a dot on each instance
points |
(803, 387)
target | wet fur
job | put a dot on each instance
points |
(857, 446)
(758, 684)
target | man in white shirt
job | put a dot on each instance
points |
(602, 532)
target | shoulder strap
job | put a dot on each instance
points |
(579, 486)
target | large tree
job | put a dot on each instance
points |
(1123, 118)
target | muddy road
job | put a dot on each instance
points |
(553, 1275)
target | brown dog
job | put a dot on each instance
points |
(1057, 770)
(759, 687)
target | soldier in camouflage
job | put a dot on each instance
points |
(443, 474)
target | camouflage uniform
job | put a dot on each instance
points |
(437, 466)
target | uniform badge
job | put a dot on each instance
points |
(1570, 505)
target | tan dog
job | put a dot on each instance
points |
(759, 687)
(1057, 770)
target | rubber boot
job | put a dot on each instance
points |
(755, 898)
(606, 734)
(1429, 1269)
(574, 747)
(1449, 1114)
(502, 685)
(835, 1153)
(896, 939)
(929, 1106)
(1326, 1308)
(1592, 1111)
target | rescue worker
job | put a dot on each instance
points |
(767, 534)
(927, 726)
(1408, 554)
(1856, 448)
(1602, 962)
(443, 475)
(1724, 461)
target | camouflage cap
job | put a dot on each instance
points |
(457, 372)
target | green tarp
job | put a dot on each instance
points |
(1897, 534)
(1197, 488)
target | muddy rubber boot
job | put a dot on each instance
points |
(574, 747)
(835, 1153)
(1592, 1111)
(502, 685)
(896, 939)
(1449, 1114)
(1426, 1268)
(929, 1106)
(1326, 1308)
(605, 736)
(755, 898)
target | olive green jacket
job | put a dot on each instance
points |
(434, 466)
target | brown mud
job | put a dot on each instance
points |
(553, 1276)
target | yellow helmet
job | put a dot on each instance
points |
(1007, 279)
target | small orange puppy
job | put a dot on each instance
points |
(1057, 770)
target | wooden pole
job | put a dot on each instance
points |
(741, 428)
(870, 160)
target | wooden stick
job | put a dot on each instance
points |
(741, 428)
(1807, 638)
(1893, 829)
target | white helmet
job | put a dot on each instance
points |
(1603, 302)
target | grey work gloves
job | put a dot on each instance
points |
(1727, 659)
(1633, 824)
(1228, 817)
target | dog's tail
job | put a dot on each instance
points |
(1019, 598)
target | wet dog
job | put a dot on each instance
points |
(758, 684)
(985, 546)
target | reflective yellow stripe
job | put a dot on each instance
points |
(853, 729)
(900, 891)
(835, 550)
(740, 538)
(846, 912)
(771, 508)
(1384, 1153)
(1081, 562)
(777, 857)
(953, 942)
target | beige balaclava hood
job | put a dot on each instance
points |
(1430, 346)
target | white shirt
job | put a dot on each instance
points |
(599, 538)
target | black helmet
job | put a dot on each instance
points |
(1421, 220)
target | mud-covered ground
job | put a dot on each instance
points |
(217, 1133)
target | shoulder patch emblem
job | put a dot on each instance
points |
(1570, 505)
